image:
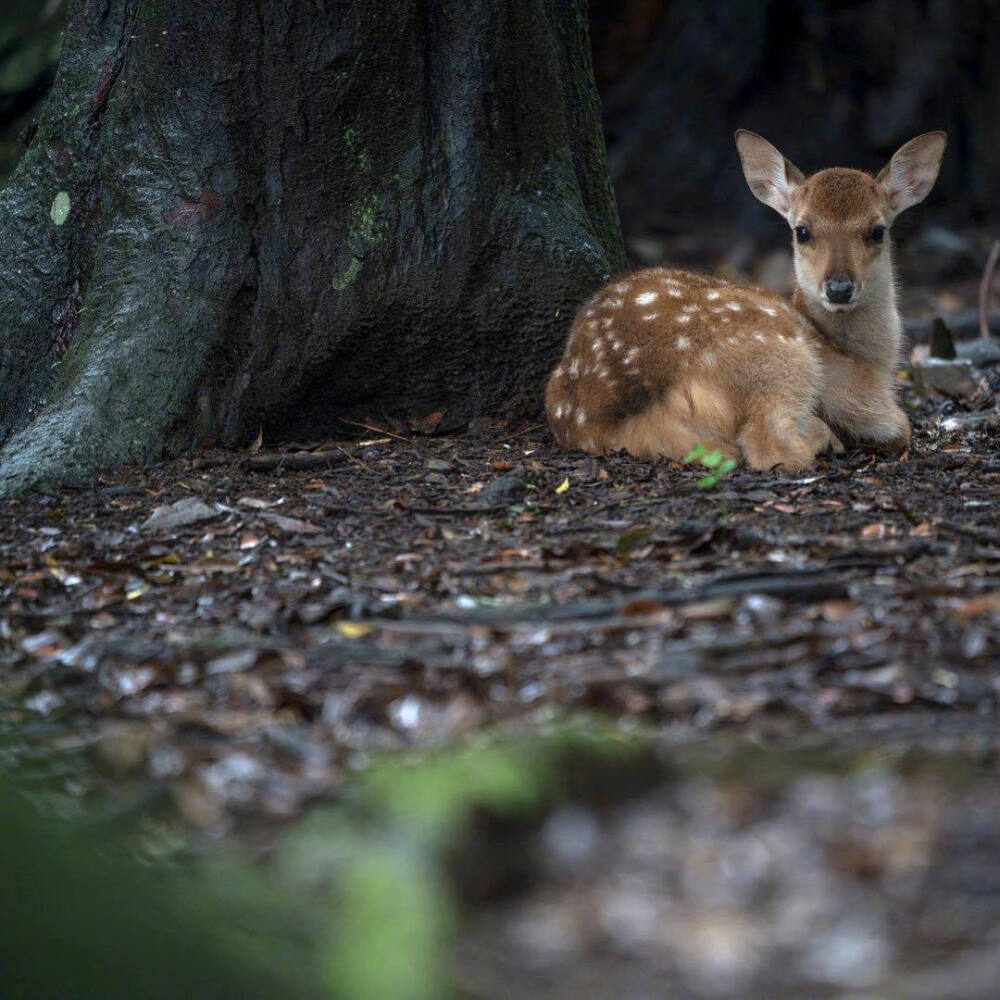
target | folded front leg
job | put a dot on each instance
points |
(859, 401)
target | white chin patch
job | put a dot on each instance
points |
(838, 307)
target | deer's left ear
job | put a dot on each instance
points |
(909, 176)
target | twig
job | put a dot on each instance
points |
(520, 433)
(984, 289)
(267, 461)
(375, 430)
(215, 461)
(294, 460)
(352, 458)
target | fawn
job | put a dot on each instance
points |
(662, 360)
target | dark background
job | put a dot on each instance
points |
(30, 40)
(829, 83)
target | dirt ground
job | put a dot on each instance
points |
(413, 589)
(210, 646)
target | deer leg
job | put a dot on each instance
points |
(787, 439)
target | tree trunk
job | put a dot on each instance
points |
(275, 215)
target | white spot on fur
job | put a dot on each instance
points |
(735, 306)
(709, 358)
(682, 343)
(616, 345)
(633, 353)
(675, 293)
(683, 318)
(621, 288)
(769, 310)
(650, 316)
(558, 411)
(581, 418)
(574, 368)
(614, 303)
(607, 321)
(645, 298)
(692, 309)
(712, 296)
(716, 310)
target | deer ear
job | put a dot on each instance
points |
(772, 178)
(909, 176)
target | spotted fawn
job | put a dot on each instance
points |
(662, 360)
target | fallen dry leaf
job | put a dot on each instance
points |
(292, 524)
(879, 530)
(181, 514)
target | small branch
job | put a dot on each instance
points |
(265, 462)
(984, 289)
(375, 430)
(521, 432)
(294, 460)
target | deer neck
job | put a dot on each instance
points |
(871, 332)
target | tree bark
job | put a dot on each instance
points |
(282, 214)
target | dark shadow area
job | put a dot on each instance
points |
(30, 42)
(829, 83)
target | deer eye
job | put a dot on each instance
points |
(878, 234)
(802, 234)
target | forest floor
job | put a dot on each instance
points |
(217, 643)
(247, 637)
(806, 669)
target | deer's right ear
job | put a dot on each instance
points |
(771, 177)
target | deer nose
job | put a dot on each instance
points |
(839, 288)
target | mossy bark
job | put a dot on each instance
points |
(280, 215)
